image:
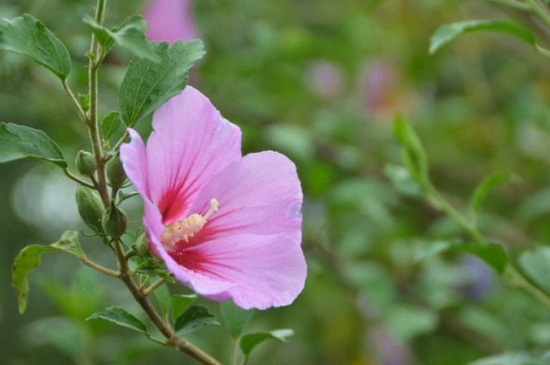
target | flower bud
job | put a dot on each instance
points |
(142, 248)
(114, 221)
(85, 163)
(89, 207)
(115, 172)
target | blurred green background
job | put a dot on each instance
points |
(319, 80)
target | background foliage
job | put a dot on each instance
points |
(320, 81)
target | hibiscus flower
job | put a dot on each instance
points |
(226, 225)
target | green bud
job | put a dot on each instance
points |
(114, 221)
(85, 163)
(89, 207)
(142, 248)
(115, 172)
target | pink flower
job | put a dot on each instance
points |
(170, 20)
(227, 226)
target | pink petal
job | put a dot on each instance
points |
(190, 144)
(208, 287)
(258, 194)
(267, 271)
(170, 20)
(134, 160)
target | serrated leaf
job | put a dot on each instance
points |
(250, 341)
(129, 35)
(194, 318)
(147, 84)
(180, 303)
(120, 317)
(18, 141)
(413, 154)
(536, 264)
(234, 318)
(449, 32)
(492, 254)
(28, 36)
(482, 191)
(110, 124)
(30, 257)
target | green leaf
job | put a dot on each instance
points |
(411, 148)
(449, 32)
(70, 243)
(482, 191)
(147, 84)
(194, 318)
(120, 317)
(110, 124)
(515, 358)
(26, 260)
(28, 36)
(129, 35)
(536, 264)
(30, 257)
(234, 318)
(250, 341)
(18, 141)
(492, 254)
(402, 181)
(180, 303)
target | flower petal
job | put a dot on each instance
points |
(266, 271)
(256, 271)
(170, 20)
(259, 194)
(206, 286)
(134, 160)
(190, 143)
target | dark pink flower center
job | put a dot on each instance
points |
(183, 230)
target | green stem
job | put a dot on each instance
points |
(75, 178)
(93, 124)
(538, 9)
(99, 268)
(513, 4)
(172, 340)
(517, 280)
(234, 352)
(70, 93)
(151, 288)
(513, 277)
(444, 205)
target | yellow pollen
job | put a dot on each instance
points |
(188, 227)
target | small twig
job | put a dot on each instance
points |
(120, 141)
(81, 112)
(73, 177)
(97, 267)
(153, 286)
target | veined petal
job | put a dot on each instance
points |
(204, 285)
(264, 270)
(258, 194)
(134, 160)
(190, 144)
